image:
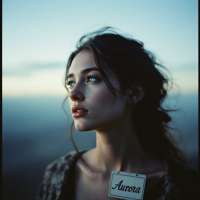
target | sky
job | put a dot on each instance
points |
(38, 37)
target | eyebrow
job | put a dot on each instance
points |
(84, 71)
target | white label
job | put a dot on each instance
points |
(125, 185)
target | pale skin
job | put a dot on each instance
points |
(117, 145)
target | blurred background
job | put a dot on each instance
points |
(38, 37)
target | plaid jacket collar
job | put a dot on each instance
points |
(181, 181)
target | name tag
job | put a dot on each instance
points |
(125, 185)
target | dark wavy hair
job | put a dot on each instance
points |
(132, 64)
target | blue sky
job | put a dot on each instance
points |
(38, 37)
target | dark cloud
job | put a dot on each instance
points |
(27, 69)
(49, 65)
(17, 72)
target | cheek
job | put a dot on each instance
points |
(101, 98)
(104, 106)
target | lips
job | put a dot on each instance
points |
(78, 111)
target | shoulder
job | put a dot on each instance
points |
(56, 175)
(60, 165)
(176, 169)
(181, 181)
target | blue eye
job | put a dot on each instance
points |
(91, 78)
(70, 84)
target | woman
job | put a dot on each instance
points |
(116, 88)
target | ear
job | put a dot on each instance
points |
(136, 93)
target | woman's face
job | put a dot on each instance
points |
(88, 90)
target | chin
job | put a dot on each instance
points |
(82, 127)
(88, 125)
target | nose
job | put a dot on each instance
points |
(76, 94)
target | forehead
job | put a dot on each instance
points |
(82, 60)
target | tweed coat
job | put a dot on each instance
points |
(181, 181)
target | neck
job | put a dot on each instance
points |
(118, 149)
